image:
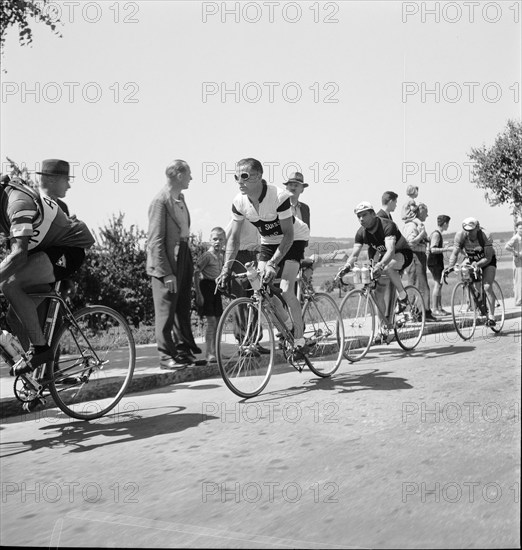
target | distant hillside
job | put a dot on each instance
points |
(327, 245)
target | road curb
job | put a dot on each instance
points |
(156, 378)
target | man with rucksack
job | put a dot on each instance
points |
(45, 245)
(477, 245)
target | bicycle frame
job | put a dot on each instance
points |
(369, 290)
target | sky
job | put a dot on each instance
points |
(361, 97)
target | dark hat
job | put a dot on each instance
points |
(296, 177)
(55, 167)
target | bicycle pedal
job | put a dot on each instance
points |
(30, 406)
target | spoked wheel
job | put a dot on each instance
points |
(243, 327)
(358, 315)
(323, 330)
(409, 325)
(500, 310)
(93, 363)
(463, 311)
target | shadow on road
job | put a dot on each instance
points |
(343, 383)
(81, 436)
(390, 354)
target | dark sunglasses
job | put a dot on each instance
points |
(244, 176)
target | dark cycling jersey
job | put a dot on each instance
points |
(24, 213)
(376, 240)
(274, 205)
(475, 250)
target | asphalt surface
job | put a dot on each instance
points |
(418, 450)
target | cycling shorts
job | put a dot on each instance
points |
(65, 260)
(296, 252)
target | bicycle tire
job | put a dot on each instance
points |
(243, 326)
(358, 315)
(499, 317)
(324, 332)
(408, 326)
(87, 385)
(463, 311)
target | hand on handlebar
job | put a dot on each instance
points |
(445, 274)
(223, 280)
(269, 273)
(343, 271)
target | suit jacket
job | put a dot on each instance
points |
(163, 236)
(383, 214)
(305, 213)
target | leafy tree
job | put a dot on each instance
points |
(498, 170)
(20, 13)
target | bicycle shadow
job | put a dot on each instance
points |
(391, 354)
(349, 382)
(119, 428)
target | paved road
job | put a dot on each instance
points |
(396, 451)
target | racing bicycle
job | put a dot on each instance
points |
(469, 303)
(361, 314)
(93, 359)
(250, 322)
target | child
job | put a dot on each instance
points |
(207, 269)
(413, 192)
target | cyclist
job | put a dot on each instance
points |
(477, 245)
(44, 246)
(386, 247)
(283, 236)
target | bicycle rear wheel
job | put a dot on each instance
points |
(463, 311)
(94, 360)
(409, 325)
(358, 315)
(323, 330)
(500, 309)
(241, 329)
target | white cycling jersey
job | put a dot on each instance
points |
(274, 205)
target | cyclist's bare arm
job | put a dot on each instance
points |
(389, 242)
(287, 227)
(357, 247)
(232, 243)
(16, 259)
(488, 251)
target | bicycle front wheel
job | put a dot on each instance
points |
(358, 315)
(463, 311)
(94, 360)
(409, 325)
(323, 330)
(500, 310)
(243, 332)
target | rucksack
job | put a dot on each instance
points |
(20, 185)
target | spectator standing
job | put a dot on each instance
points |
(415, 233)
(208, 267)
(514, 245)
(412, 191)
(170, 266)
(436, 262)
(389, 204)
(295, 186)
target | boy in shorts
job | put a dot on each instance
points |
(207, 269)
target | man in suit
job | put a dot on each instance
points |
(389, 204)
(170, 265)
(295, 186)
